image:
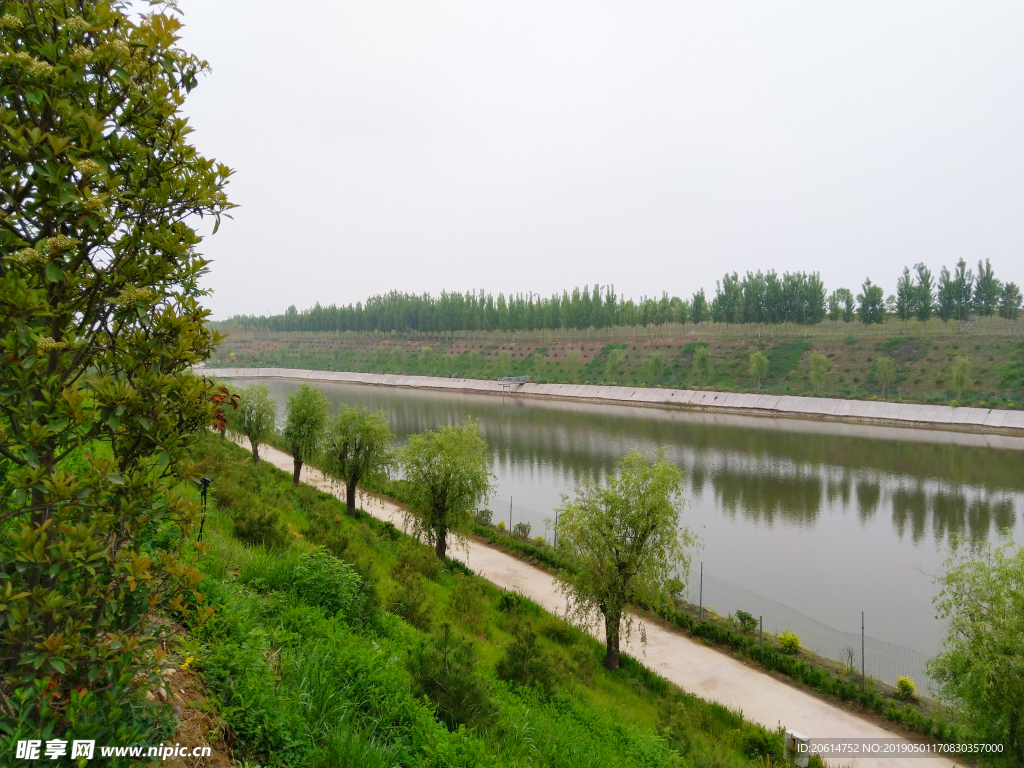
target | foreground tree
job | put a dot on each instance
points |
(357, 448)
(304, 427)
(100, 326)
(255, 417)
(981, 668)
(622, 539)
(450, 479)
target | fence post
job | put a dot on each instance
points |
(761, 631)
(862, 651)
(701, 599)
(204, 483)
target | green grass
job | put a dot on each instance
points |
(309, 656)
(924, 358)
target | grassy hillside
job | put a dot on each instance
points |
(924, 357)
(341, 641)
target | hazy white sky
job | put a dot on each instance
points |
(535, 146)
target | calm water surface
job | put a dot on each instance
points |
(830, 519)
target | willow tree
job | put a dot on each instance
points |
(255, 417)
(622, 539)
(819, 369)
(356, 448)
(758, 366)
(885, 372)
(449, 478)
(100, 326)
(304, 426)
(980, 670)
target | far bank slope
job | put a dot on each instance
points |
(966, 419)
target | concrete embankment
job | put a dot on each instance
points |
(965, 419)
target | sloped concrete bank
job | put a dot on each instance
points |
(989, 421)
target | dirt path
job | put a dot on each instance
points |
(695, 668)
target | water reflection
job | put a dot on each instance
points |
(831, 519)
(763, 498)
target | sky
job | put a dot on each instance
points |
(536, 146)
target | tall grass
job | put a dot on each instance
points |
(305, 671)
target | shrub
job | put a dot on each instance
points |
(323, 580)
(521, 531)
(905, 688)
(525, 663)
(444, 670)
(675, 588)
(418, 559)
(484, 517)
(469, 602)
(412, 601)
(259, 524)
(509, 602)
(747, 622)
(501, 526)
(762, 744)
(789, 642)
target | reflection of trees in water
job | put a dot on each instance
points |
(697, 477)
(588, 439)
(795, 498)
(910, 505)
(869, 493)
(764, 474)
(839, 489)
(950, 512)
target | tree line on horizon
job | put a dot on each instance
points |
(798, 298)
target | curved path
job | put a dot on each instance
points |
(695, 668)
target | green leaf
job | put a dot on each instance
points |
(59, 665)
(53, 273)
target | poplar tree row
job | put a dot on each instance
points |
(793, 297)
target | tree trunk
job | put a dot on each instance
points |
(442, 543)
(350, 498)
(611, 634)
(255, 453)
(296, 472)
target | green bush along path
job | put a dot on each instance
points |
(697, 669)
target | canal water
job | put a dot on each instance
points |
(829, 519)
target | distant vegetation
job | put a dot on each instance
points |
(984, 366)
(759, 298)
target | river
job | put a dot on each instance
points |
(829, 519)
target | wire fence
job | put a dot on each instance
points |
(881, 660)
